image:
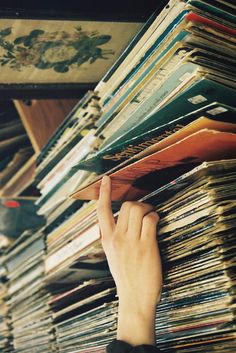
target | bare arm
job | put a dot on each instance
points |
(133, 256)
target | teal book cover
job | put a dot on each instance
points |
(109, 115)
(154, 47)
(171, 83)
(202, 91)
(110, 158)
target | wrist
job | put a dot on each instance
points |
(136, 324)
(138, 297)
(137, 308)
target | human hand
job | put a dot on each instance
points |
(133, 256)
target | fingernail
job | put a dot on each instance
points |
(105, 180)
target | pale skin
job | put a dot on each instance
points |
(133, 256)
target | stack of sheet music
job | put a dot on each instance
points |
(175, 89)
(31, 320)
(71, 143)
(197, 239)
(5, 329)
(85, 316)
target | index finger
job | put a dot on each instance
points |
(104, 210)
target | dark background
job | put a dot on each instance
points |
(94, 9)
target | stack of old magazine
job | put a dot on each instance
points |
(30, 314)
(164, 108)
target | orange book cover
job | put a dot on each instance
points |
(204, 145)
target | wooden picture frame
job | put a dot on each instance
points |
(48, 54)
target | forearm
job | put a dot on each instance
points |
(136, 325)
(130, 244)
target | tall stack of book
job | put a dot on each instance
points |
(166, 106)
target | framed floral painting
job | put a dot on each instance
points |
(58, 56)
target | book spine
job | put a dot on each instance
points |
(154, 84)
(173, 9)
(105, 118)
(156, 100)
(200, 92)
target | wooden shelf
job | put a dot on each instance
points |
(42, 117)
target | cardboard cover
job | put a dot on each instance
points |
(204, 145)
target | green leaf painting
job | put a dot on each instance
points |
(57, 50)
